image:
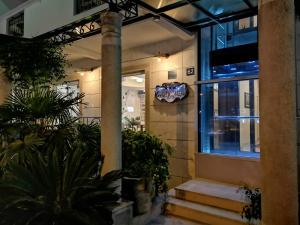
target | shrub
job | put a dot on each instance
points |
(146, 156)
(252, 210)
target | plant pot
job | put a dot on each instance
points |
(135, 189)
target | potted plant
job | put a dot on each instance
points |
(145, 168)
(252, 210)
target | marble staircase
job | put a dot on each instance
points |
(207, 202)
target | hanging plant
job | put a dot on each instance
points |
(31, 62)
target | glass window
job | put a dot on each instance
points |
(222, 7)
(186, 14)
(230, 118)
(71, 90)
(15, 25)
(84, 5)
(235, 33)
(229, 94)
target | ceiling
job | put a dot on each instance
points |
(7, 5)
(89, 48)
(158, 20)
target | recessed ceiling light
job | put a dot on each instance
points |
(156, 18)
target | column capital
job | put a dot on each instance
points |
(111, 22)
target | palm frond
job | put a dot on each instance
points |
(57, 189)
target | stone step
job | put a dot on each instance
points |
(211, 193)
(202, 213)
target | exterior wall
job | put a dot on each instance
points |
(41, 16)
(4, 87)
(232, 170)
(174, 123)
(89, 84)
(298, 94)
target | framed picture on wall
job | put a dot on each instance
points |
(246, 100)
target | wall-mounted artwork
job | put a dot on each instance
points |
(171, 92)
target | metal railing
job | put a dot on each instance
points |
(89, 120)
(84, 5)
(15, 25)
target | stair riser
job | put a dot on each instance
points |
(199, 216)
(226, 204)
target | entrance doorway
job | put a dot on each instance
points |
(133, 101)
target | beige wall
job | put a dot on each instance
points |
(4, 87)
(173, 123)
(89, 83)
(232, 170)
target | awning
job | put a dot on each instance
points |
(188, 15)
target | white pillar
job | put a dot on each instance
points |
(111, 145)
(278, 112)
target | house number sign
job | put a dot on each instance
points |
(171, 92)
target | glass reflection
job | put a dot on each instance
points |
(230, 118)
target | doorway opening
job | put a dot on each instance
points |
(133, 101)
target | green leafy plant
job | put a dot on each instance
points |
(31, 62)
(50, 191)
(37, 118)
(132, 123)
(252, 210)
(51, 164)
(146, 156)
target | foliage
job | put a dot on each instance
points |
(88, 137)
(50, 191)
(32, 62)
(50, 164)
(132, 123)
(37, 118)
(252, 211)
(146, 156)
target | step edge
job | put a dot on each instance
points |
(212, 196)
(231, 220)
(238, 217)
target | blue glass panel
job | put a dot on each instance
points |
(186, 14)
(229, 110)
(205, 53)
(220, 7)
(236, 70)
(230, 118)
(235, 33)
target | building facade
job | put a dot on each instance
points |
(211, 47)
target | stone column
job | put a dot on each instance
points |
(111, 91)
(278, 112)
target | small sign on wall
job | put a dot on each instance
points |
(171, 92)
(172, 75)
(190, 71)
